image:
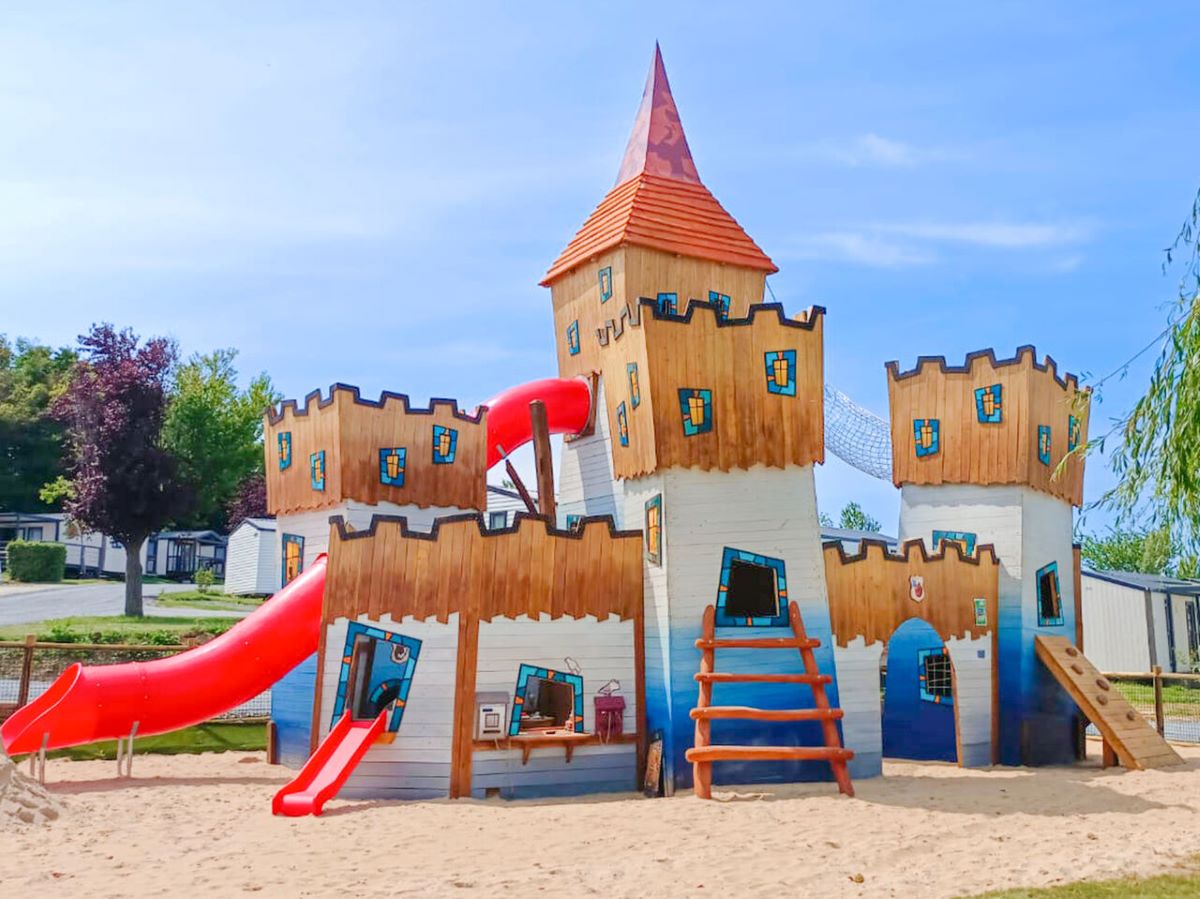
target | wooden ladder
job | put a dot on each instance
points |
(703, 754)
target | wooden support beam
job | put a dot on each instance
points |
(520, 485)
(543, 461)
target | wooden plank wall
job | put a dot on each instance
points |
(972, 452)
(869, 591)
(526, 569)
(352, 431)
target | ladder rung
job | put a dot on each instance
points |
(741, 711)
(756, 643)
(730, 677)
(768, 753)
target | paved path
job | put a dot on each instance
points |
(55, 601)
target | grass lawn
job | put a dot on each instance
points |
(212, 737)
(117, 629)
(211, 600)
(1166, 886)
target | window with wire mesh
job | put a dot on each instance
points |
(935, 677)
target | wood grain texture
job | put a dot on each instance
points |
(869, 591)
(973, 452)
(529, 568)
(351, 431)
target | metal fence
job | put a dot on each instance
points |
(27, 669)
(1170, 702)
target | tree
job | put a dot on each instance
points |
(215, 430)
(124, 482)
(855, 519)
(1126, 550)
(250, 501)
(31, 441)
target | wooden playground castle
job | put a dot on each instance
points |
(671, 600)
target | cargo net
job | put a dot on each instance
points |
(857, 436)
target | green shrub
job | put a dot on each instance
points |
(204, 579)
(36, 562)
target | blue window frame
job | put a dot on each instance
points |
(316, 469)
(1044, 444)
(573, 338)
(695, 405)
(605, 277)
(989, 404)
(721, 301)
(1049, 596)
(391, 465)
(781, 372)
(753, 590)
(635, 386)
(1074, 429)
(285, 450)
(935, 675)
(965, 539)
(574, 521)
(925, 436)
(668, 303)
(622, 424)
(537, 673)
(292, 558)
(392, 660)
(445, 444)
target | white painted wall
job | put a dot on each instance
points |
(417, 763)
(862, 704)
(586, 484)
(250, 559)
(972, 659)
(1115, 637)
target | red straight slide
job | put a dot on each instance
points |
(329, 767)
(103, 702)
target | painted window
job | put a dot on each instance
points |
(573, 338)
(605, 276)
(377, 670)
(391, 465)
(445, 443)
(753, 590)
(695, 404)
(989, 404)
(316, 469)
(293, 558)
(654, 529)
(574, 522)
(1050, 609)
(546, 700)
(1043, 445)
(1074, 429)
(635, 386)
(781, 372)
(285, 450)
(925, 436)
(497, 520)
(964, 539)
(622, 424)
(934, 671)
(721, 301)
(668, 303)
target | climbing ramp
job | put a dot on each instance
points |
(704, 753)
(1126, 733)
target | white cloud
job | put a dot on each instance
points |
(1004, 235)
(872, 149)
(861, 248)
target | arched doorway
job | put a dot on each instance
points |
(918, 700)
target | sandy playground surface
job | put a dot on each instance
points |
(201, 825)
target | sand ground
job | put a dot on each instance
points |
(201, 825)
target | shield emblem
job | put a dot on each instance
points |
(916, 587)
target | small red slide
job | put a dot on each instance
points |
(104, 702)
(329, 767)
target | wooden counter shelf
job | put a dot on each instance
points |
(529, 742)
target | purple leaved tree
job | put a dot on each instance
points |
(124, 483)
(250, 501)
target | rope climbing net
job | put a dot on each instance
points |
(857, 436)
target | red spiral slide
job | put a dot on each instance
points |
(104, 702)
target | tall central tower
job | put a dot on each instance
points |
(709, 420)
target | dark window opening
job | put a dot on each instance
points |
(752, 592)
(1049, 599)
(360, 679)
(938, 683)
(548, 704)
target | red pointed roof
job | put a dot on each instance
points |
(659, 201)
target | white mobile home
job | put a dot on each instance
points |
(251, 560)
(1132, 622)
(503, 505)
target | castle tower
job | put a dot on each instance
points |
(709, 422)
(975, 452)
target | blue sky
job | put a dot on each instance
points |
(370, 192)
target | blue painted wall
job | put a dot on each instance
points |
(914, 728)
(291, 710)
